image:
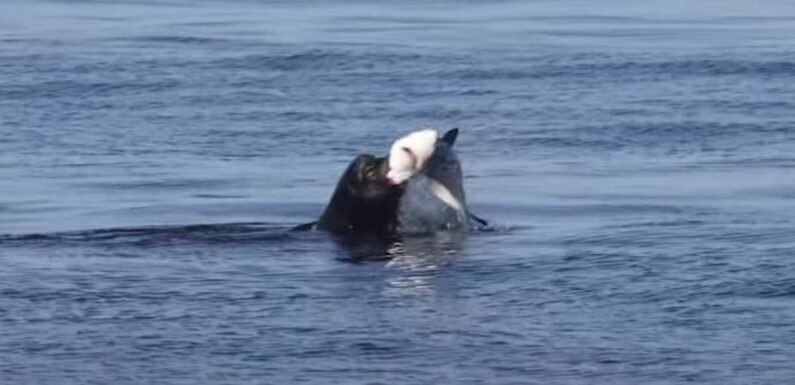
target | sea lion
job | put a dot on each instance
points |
(417, 188)
(364, 199)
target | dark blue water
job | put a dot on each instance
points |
(635, 159)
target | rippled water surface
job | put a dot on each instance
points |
(635, 160)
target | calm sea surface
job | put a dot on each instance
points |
(635, 159)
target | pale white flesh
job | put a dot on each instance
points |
(444, 194)
(410, 153)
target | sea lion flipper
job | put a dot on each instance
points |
(450, 136)
(478, 219)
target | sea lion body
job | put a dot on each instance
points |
(418, 188)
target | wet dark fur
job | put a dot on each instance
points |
(363, 201)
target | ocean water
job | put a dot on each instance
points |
(635, 160)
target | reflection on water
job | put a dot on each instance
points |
(415, 261)
(418, 261)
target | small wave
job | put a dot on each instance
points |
(77, 88)
(176, 39)
(155, 235)
(234, 233)
(169, 184)
(315, 60)
(624, 68)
